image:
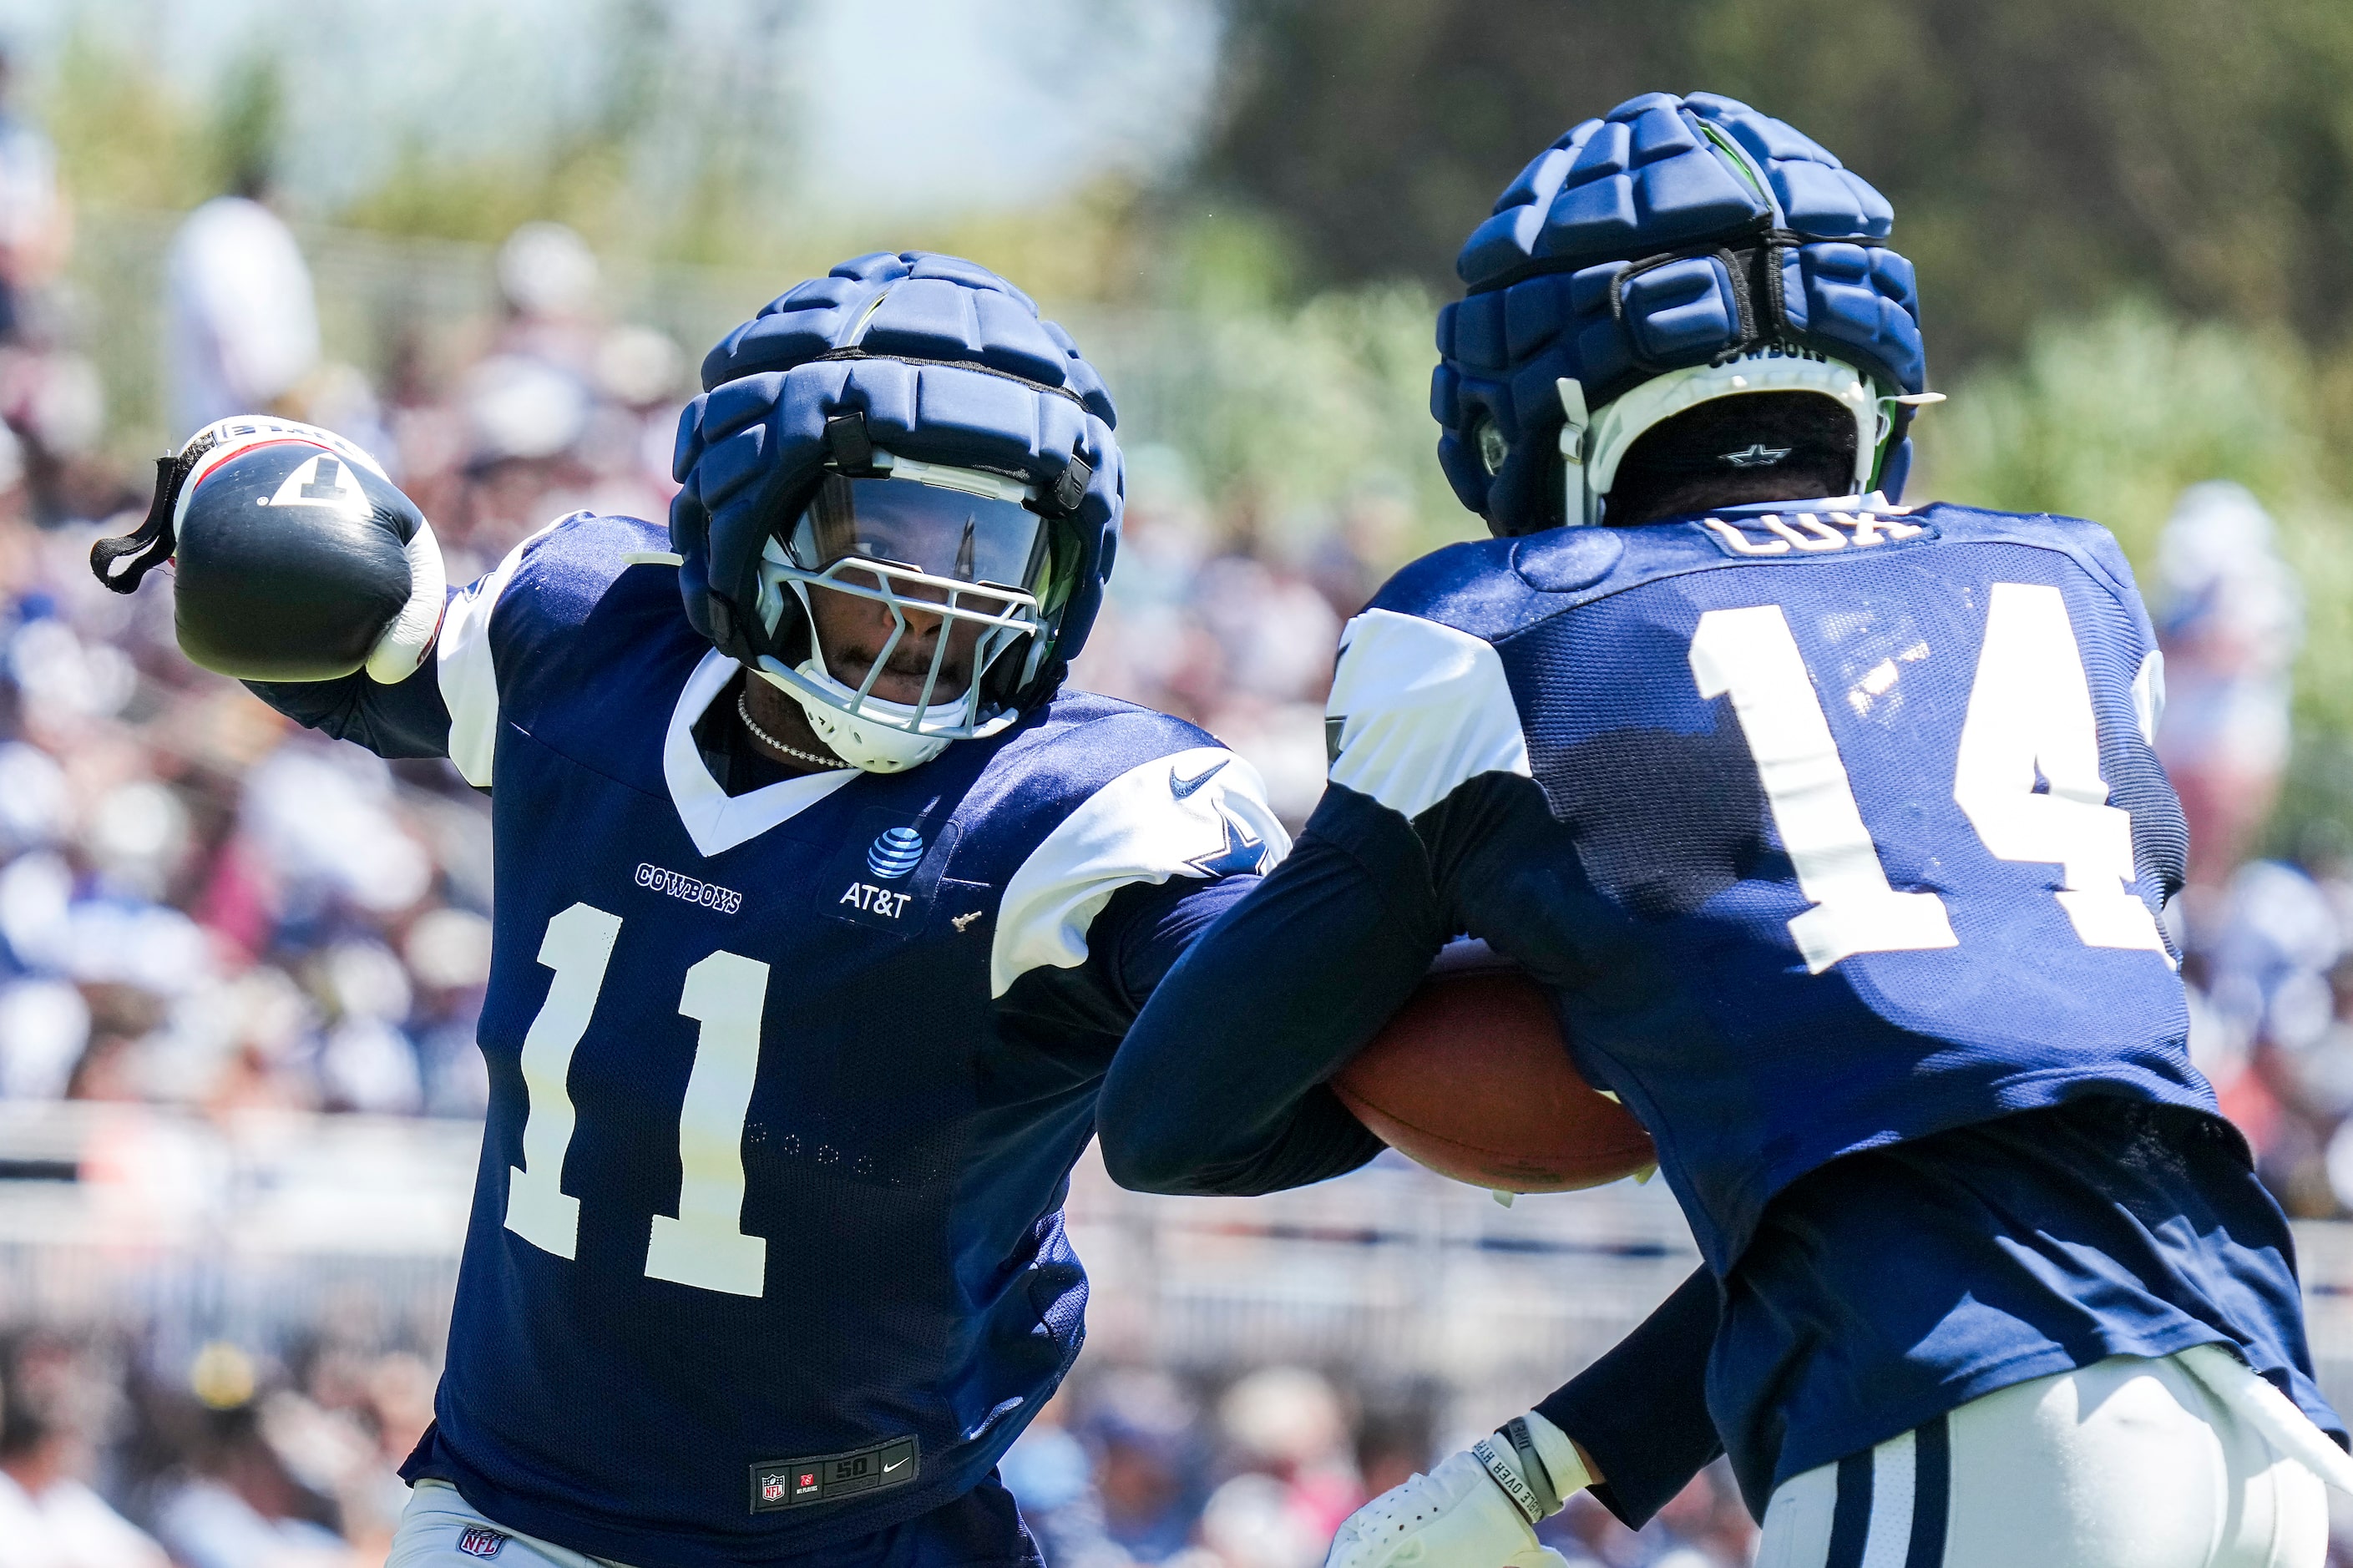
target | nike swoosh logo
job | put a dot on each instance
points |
(888, 1469)
(1180, 788)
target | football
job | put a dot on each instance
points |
(1473, 1079)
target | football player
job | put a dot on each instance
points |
(1833, 828)
(820, 908)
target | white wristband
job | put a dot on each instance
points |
(1535, 1464)
(1560, 1458)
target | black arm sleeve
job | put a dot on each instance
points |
(1219, 1084)
(1641, 1412)
(408, 720)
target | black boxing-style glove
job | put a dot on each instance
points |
(295, 558)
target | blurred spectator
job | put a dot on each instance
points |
(241, 329)
(548, 278)
(1237, 637)
(2229, 619)
(1144, 1431)
(1299, 1477)
(50, 1423)
(241, 1507)
(231, 1500)
(52, 402)
(560, 412)
(1705, 1526)
(36, 221)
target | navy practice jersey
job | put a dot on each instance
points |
(766, 1250)
(1825, 831)
(1831, 831)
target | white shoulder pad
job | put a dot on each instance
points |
(1421, 710)
(1197, 813)
(469, 685)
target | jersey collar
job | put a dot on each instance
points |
(715, 820)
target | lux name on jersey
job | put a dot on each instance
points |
(873, 900)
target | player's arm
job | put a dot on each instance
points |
(1219, 1086)
(1112, 900)
(1222, 1083)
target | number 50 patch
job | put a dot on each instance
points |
(829, 1478)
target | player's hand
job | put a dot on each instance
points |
(1454, 1517)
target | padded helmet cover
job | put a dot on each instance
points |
(1670, 232)
(945, 363)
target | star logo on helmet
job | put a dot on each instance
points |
(1239, 854)
(1758, 455)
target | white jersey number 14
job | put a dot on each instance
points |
(2029, 713)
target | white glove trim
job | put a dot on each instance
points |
(405, 642)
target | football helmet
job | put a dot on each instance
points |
(1676, 250)
(905, 432)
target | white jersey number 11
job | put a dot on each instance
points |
(705, 1244)
(2029, 712)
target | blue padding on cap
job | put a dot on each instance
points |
(1683, 307)
(1655, 175)
(1479, 336)
(1819, 196)
(1534, 312)
(1865, 298)
(1644, 178)
(926, 350)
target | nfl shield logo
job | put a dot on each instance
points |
(771, 1488)
(478, 1541)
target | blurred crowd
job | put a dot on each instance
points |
(1218, 620)
(1134, 1465)
(2267, 942)
(113, 1458)
(202, 906)
(110, 1458)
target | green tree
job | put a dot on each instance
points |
(2042, 155)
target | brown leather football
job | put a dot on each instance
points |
(1473, 1079)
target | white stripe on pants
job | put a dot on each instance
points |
(2129, 1463)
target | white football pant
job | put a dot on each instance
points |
(2128, 1463)
(438, 1529)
